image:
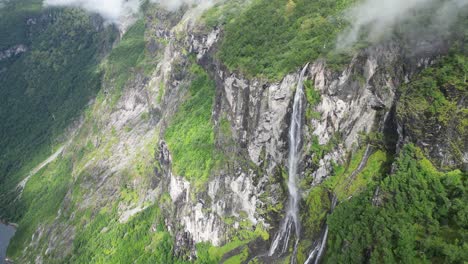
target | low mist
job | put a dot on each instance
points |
(111, 10)
(116, 11)
(372, 20)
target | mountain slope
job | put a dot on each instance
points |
(175, 137)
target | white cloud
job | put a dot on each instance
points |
(112, 10)
(378, 17)
(118, 11)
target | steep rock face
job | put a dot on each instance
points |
(354, 101)
(361, 99)
(256, 112)
(444, 141)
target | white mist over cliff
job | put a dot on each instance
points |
(119, 11)
(373, 19)
(111, 10)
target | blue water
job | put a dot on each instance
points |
(6, 233)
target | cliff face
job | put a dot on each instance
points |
(124, 171)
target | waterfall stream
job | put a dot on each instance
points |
(291, 221)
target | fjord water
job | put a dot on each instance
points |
(6, 233)
(291, 221)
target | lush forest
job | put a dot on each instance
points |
(272, 38)
(418, 215)
(44, 89)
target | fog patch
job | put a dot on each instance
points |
(372, 20)
(120, 11)
(114, 11)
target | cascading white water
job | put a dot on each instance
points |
(291, 219)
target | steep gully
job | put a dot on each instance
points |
(319, 245)
(291, 221)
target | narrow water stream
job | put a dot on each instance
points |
(291, 222)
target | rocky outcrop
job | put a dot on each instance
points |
(357, 100)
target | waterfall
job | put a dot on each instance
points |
(291, 220)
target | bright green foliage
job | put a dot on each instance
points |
(208, 254)
(318, 202)
(313, 98)
(142, 240)
(44, 89)
(273, 37)
(377, 164)
(190, 135)
(312, 95)
(317, 206)
(344, 186)
(40, 202)
(223, 12)
(419, 216)
(238, 258)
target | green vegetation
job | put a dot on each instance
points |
(44, 89)
(317, 205)
(313, 98)
(432, 102)
(425, 96)
(141, 240)
(273, 37)
(223, 12)
(318, 201)
(377, 165)
(319, 151)
(13, 24)
(127, 59)
(420, 217)
(240, 258)
(40, 202)
(208, 254)
(190, 135)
